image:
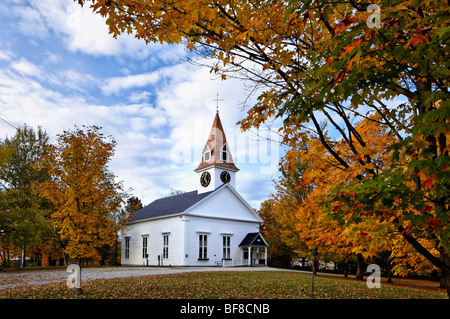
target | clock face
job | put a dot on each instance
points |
(205, 179)
(225, 177)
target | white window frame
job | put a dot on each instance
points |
(165, 246)
(127, 247)
(208, 152)
(144, 246)
(203, 247)
(226, 243)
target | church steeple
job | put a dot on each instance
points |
(217, 161)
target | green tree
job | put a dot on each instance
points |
(25, 213)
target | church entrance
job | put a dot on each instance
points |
(254, 250)
(254, 256)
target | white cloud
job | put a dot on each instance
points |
(31, 22)
(52, 58)
(6, 55)
(70, 79)
(26, 68)
(139, 96)
(85, 32)
(254, 187)
(115, 84)
(89, 33)
(160, 77)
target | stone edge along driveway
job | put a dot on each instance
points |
(11, 279)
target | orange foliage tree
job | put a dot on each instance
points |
(327, 230)
(343, 231)
(83, 192)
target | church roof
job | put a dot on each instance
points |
(215, 144)
(169, 205)
(253, 239)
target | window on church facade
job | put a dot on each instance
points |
(144, 246)
(165, 246)
(127, 247)
(203, 247)
(226, 247)
(207, 156)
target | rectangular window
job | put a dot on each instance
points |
(203, 247)
(224, 156)
(226, 247)
(127, 247)
(207, 156)
(144, 246)
(165, 246)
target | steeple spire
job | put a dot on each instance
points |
(217, 151)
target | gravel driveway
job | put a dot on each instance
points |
(10, 279)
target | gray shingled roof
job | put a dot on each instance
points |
(253, 239)
(169, 205)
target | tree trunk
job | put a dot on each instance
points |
(389, 269)
(360, 267)
(64, 258)
(22, 260)
(116, 250)
(8, 256)
(447, 282)
(389, 275)
(346, 269)
(79, 290)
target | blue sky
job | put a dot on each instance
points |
(59, 67)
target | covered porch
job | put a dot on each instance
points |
(254, 250)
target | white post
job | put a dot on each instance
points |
(265, 255)
(249, 256)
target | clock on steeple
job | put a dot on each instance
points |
(225, 177)
(217, 166)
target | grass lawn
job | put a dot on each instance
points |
(226, 285)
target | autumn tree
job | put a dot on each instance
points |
(83, 191)
(281, 254)
(319, 60)
(342, 237)
(343, 233)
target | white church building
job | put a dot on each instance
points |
(210, 226)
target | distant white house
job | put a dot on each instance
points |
(210, 226)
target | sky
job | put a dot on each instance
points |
(59, 67)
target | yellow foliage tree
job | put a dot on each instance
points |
(83, 192)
